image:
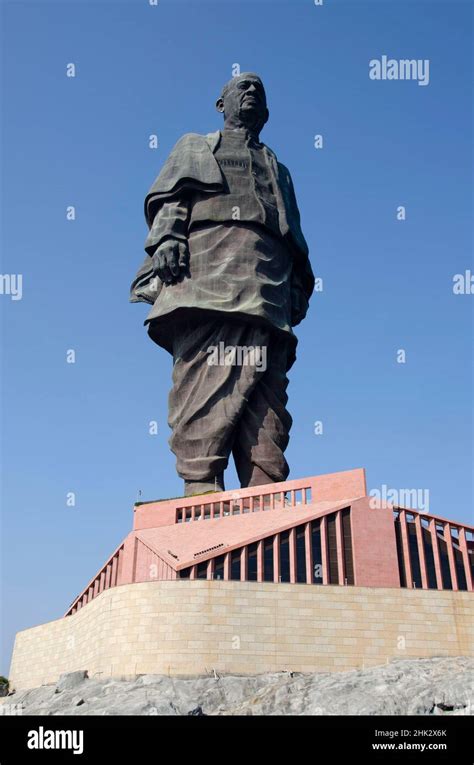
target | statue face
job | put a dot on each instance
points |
(244, 102)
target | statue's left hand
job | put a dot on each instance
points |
(170, 260)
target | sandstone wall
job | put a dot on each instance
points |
(192, 627)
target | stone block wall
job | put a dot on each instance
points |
(193, 627)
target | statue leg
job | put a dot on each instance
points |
(263, 432)
(208, 398)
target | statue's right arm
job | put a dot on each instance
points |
(166, 242)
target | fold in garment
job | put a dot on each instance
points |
(219, 408)
(238, 270)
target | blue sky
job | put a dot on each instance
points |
(83, 427)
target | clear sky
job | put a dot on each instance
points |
(388, 284)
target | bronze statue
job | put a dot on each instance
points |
(228, 274)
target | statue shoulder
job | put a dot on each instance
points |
(283, 171)
(196, 142)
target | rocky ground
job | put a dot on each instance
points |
(406, 687)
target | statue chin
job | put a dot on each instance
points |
(249, 117)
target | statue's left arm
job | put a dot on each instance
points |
(302, 278)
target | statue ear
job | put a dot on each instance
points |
(267, 115)
(220, 105)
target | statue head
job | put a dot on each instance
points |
(243, 102)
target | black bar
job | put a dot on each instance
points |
(445, 738)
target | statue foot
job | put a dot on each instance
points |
(202, 487)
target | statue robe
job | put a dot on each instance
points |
(237, 270)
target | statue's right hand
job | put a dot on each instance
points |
(170, 260)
